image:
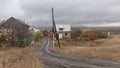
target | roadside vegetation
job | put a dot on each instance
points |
(96, 45)
(18, 43)
(20, 57)
(88, 35)
(16, 57)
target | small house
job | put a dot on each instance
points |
(16, 29)
(14, 24)
(34, 29)
(64, 30)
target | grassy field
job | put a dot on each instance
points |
(16, 57)
(105, 49)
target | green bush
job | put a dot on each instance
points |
(85, 36)
(76, 34)
(92, 36)
(45, 33)
(72, 35)
(101, 34)
(3, 40)
(38, 35)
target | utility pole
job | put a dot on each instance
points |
(55, 34)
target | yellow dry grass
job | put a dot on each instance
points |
(106, 49)
(16, 57)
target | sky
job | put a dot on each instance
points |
(74, 12)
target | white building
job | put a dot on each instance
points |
(64, 30)
(34, 29)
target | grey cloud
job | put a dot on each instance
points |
(75, 12)
(10, 8)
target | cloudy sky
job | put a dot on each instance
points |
(74, 12)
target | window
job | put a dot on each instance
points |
(65, 34)
(60, 28)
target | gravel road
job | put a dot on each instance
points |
(54, 60)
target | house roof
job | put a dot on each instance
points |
(17, 20)
(14, 22)
(65, 27)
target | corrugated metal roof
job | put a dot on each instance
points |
(65, 27)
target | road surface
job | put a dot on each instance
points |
(53, 60)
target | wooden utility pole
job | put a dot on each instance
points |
(55, 34)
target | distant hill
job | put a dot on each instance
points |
(115, 30)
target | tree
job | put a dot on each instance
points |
(45, 33)
(17, 31)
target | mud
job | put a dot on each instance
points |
(54, 60)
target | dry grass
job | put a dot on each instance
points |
(16, 57)
(106, 49)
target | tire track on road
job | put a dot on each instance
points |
(53, 60)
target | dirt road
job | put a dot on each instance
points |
(53, 60)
